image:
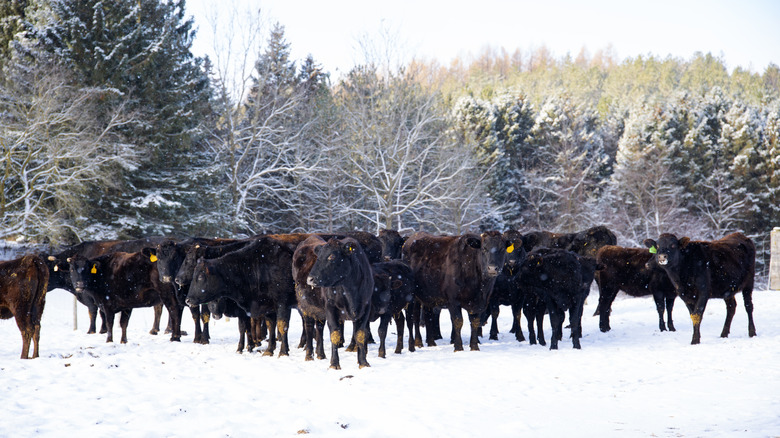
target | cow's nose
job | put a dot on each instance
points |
(492, 270)
(310, 281)
(166, 279)
(662, 259)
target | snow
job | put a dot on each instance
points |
(631, 381)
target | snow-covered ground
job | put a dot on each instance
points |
(632, 381)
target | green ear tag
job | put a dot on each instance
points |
(653, 250)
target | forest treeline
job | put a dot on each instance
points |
(111, 127)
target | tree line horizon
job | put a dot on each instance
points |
(111, 128)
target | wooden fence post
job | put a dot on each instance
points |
(774, 260)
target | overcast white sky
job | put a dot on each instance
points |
(744, 33)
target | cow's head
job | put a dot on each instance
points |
(167, 257)
(335, 261)
(667, 251)
(59, 272)
(493, 251)
(206, 283)
(515, 252)
(83, 272)
(184, 274)
(392, 242)
(217, 308)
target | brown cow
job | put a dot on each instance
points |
(701, 270)
(23, 285)
(456, 272)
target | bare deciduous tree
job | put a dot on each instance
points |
(59, 146)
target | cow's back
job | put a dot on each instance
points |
(730, 262)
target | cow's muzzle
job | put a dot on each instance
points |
(663, 259)
(492, 270)
(166, 278)
(311, 281)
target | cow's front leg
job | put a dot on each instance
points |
(123, 321)
(362, 342)
(476, 323)
(334, 325)
(456, 316)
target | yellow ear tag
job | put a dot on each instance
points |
(510, 249)
(94, 269)
(153, 258)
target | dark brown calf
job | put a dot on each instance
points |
(22, 296)
(626, 269)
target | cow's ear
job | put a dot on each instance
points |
(684, 242)
(650, 243)
(151, 253)
(474, 242)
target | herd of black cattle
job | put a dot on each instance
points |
(360, 277)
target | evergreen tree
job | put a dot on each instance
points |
(563, 189)
(142, 49)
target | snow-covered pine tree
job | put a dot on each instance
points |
(563, 188)
(141, 48)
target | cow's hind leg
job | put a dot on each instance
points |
(384, 321)
(270, 323)
(23, 321)
(669, 307)
(517, 315)
(731, 308)
(494, 323)
(157, 316)
(399, 326)
(747, 298)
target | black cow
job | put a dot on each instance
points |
(176, 261)
(120, 282)
(343, 274)
(392, 244)
(59, 273)
(393, 292)
(700, 270)
(227, 307)
(457, 272)
(556, 277)
(258, 277)
(170, 255)
(626, 269)
(506, 291)
(585, 243)
(23, 296)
